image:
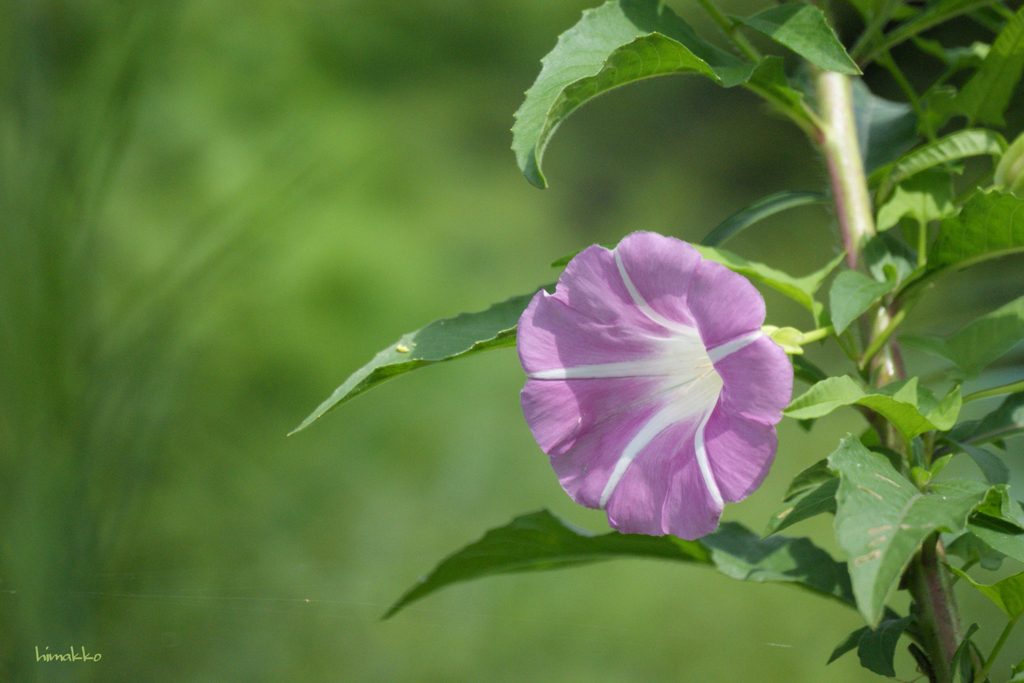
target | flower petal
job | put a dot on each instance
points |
(740, 452)
(724, 304)
(758, 381)
(659, 269)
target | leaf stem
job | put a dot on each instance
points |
(995, 650)
(815, 335)
(731, 30)
(1011, 388)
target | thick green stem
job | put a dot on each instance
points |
(927, 579)
(845, 168)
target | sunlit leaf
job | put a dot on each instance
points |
(980, 342)
(924, 197)
(621, 42)
(803, 29)
(959, 145)
(912, 409)
(758, 211)
(441, 340)
(1007, 594)
(540, 541)
(986, 95)
(882, 519)
(853, 293)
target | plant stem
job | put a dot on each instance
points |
(995, 650)
(935, 611)
(845, 167)
(731, 30)
(1011, 388)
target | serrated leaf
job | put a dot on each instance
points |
(540, 541)
(913, 410)
(985, 96)
(803, 29)
(885, 129)
(441, 340)
(804, 505)
(959, 145)
(1007, 594)
(800, 289)
(925, 197)
(980, 342)
(758, 211)
(877, 648)
(853, 293)
(621, 42)
(882, 519)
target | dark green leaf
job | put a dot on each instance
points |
(953, 147)
(882, 519)
(1017, 673)
(803, 29)
(441, 340)
(810, 478)
(806, 371)
(980, 342)
(853, 293)
(758, 211)
(1007, 594)
(961, 658)
(911, 409)
(885, 129)
(991, 465)
(621, 42)
(932, 15)
(970, 548)
(804, 505)
(986, 95)
(877, 648)
(1006, 420)
(886, 250)
(540, 541)
(849, 643)
(1001, 535)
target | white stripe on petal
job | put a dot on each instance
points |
(645, 307)
(700, 449)
(661, 421)
(732, 346)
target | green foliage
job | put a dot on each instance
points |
(877, 647)
(540, 541)
(440, 341)
(853, 293)
(882, 519)
(758, 211)
(618, 43)
(1007, 594)
(1005, 421)
(803, 29)
(924, 197)
(912, 409)
(982, 341)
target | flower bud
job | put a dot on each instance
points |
(1009, 175)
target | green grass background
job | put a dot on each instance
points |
(212, 212)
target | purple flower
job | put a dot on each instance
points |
(651, 386)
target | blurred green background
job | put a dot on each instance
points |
(213, 212)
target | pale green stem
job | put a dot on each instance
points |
(845, 167)
(995, 650)
(815, 335)
(731, 30)
(881, 338)
(1010, 388)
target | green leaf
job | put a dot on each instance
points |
(848, 644)
(1001, 535)
(804, 505)
(980, 342)
(853, 293)
(911, 409)
(961, 658)
(441, 340)
(986, 95)
(758, 211)
(1018, 673)
(924, 197)
(885, 251)
(809, 478)
(885, 129)
(540, 541)
(1007, 594)
(959, 145)
(769, 81)
(800, 289)
(991, 465)
(970, 548)
(621, 42)
(933, 15)
(877, 647)
(803, 29)
(1005, 421)
(882, 519)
